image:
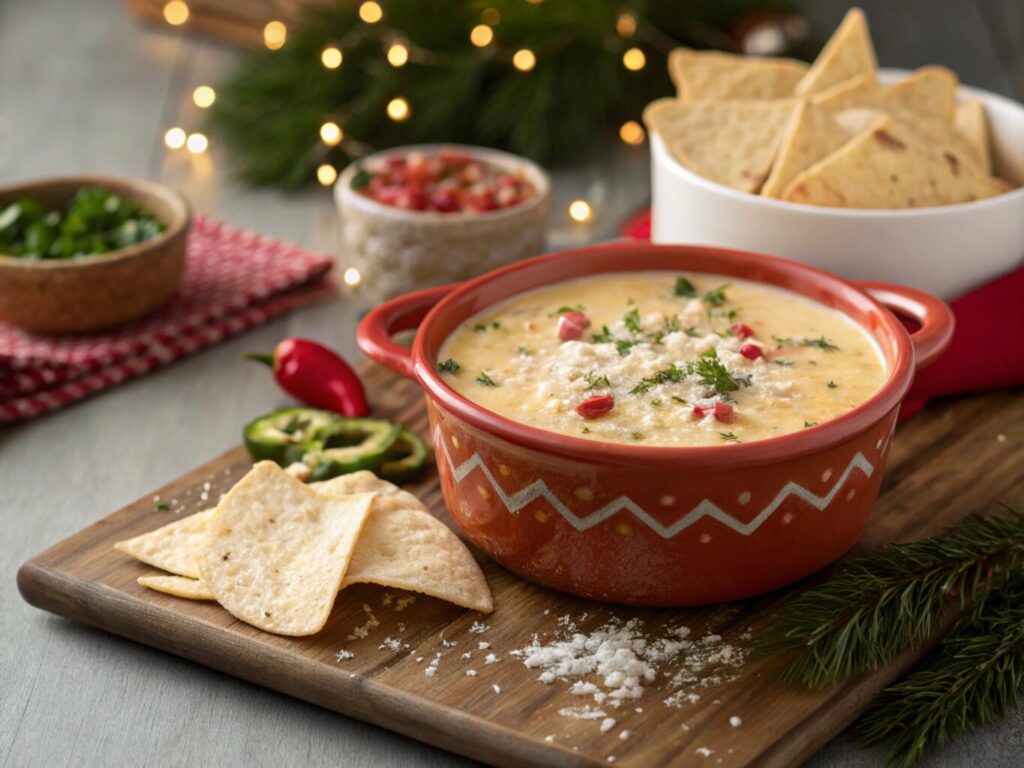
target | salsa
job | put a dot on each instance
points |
(445, 182)
(94, 221)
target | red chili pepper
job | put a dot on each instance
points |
(317, 376)
(742, 330)
(595, 406)
(751, 351)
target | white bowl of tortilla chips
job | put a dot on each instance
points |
(888, 175)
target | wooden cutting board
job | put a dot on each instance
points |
(953, 459)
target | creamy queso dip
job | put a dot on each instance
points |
(660, 358)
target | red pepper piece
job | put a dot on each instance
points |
(317, 376)
(742, 330)
(571, 325)
(595, 406)
(724, 413)
(699, 412)
(751, 351)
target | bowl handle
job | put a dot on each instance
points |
(933, 315)
(376, 329)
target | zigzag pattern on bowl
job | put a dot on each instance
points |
(538, 488)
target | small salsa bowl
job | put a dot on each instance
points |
(659, 525)
(395, 249)
(89, 293)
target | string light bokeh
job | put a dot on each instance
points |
(398, 53)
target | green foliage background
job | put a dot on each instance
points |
(270, 110)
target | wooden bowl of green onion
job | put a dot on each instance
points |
(84, 253)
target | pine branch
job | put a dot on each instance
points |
(892, 599)
(974, 676)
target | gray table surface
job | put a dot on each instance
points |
(84, 87)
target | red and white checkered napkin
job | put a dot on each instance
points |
(234, 280)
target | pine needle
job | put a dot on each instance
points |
(889, 600)
(973, 677)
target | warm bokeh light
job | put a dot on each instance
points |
(524, 60)
(274, 35)
(331, 133)
(326, 174)
(580, 210)
(625, 25)
(176, 13)
(351, 276)
(398, 55)
(204, 96)
(491, 16)
(398, 109)
(634, 59)
(175, 138)
(632, 132)
(331, 57)
(371, 12)
(481, 35)
(197, 143)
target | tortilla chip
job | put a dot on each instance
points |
(812, 134)
(730, 142)
(848, 53)
(408, 548)
(179, 586)
(927, 91)
(173, 547)
(365, 481)
(971, 122)
(277, 551)
(889, 166)
(712, 75)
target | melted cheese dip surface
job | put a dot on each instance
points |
(666, 348)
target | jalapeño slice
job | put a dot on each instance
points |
(405, 460)
(347, 445)
(269, 437)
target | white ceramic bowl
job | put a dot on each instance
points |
(944, 251)
(397, 250)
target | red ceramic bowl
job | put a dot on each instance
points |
(649, 525)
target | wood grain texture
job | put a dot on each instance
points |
(931, 482)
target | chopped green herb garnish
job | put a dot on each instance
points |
(716, 296)
(820, 343)
(685, 289)
(831, 384)
(692, 332)
(594, 381)
(479, 327)
(360, 179)
(714, 375)
(710, 352)
(565, 308)
(604, 337)
(671, 374)
(809, 424)
(728, 314)
(783, 363)
(524, 351)
(656, 337)
(673, 324)
(638, 435)
(449, 366)
(586, 430)
(677, 399)
(485, 380)
(632, 320)
(656, 403)
(729, 437)
(623, 346)
(162, 506)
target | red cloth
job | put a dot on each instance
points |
(986, 352)
(234, 280)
